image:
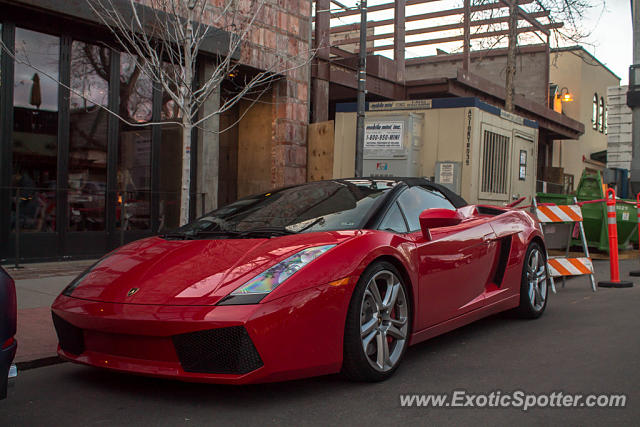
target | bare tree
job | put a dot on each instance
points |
(564, 18)
(163, 42)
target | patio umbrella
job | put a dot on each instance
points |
(36, 93)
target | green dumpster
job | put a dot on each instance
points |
(595, 214)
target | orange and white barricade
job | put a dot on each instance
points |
(566, 266)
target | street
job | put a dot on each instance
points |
(585, 343)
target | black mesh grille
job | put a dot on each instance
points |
(217, 351)
(71, 338)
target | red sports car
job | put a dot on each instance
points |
(329, 276)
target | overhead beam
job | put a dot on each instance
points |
(348, 77)
(461, 37)
(337, 3)
(423, 16)
(341, 52)
(378, 8)
(527, 16)
(434, 29)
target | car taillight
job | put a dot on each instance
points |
(8, 343)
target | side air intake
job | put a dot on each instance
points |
(71, 338)
(503, 258)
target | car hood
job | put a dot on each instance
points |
(189, 272)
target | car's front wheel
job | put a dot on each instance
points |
(378, 324)
(534, 285)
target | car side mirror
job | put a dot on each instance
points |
(435, 218)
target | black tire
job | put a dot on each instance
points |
(358, 365)
(530, 306)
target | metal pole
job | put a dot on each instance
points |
(467, 36)
(568, 250)
(123, 214)
(535, 211)
(17, 262)
(362, 75)
(586, 248)
(204, 195)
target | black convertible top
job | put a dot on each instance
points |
(454, 198)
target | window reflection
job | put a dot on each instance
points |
(88, 136)
(35, 130)
(170, 160)
(170, 176)
(134, 147)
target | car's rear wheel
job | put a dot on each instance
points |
(378, 324)
(535, 283)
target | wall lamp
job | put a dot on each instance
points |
(564, 95)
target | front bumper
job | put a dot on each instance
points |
(295, 336)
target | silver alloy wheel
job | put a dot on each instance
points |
(537, 279)
(384, 324)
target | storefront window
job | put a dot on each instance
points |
(134, 147)
(594, 112)
(88, 136)
(601, 115)
(35, 130)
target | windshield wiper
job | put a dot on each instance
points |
(175, 236)
(269, 231)
(191, 235)
(216, 233)
(311, 224)
(263, 231)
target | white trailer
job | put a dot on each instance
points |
(477, 150)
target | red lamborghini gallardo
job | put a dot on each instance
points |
(339, 275)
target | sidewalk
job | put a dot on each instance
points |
(37, 285)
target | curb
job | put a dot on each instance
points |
(39, 363)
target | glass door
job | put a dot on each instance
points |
(88, 134)
(34, 147)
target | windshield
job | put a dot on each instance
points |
(317, 206)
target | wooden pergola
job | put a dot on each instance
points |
(335, 66)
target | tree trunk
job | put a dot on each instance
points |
(511, 56)
(187, 124)
(186, 173)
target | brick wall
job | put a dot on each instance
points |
(531, 71)
(279, 41)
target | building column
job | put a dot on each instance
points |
(208, 148)
(320, 84)
(290, 122)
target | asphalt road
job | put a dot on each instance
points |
(585, 343)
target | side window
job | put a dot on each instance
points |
(416, 199)
(394, 220)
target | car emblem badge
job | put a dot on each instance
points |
(132, 291)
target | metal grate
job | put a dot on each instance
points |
(495, 150)
(217, 351)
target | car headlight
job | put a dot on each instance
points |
(260, 286)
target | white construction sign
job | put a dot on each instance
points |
(383, 134)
